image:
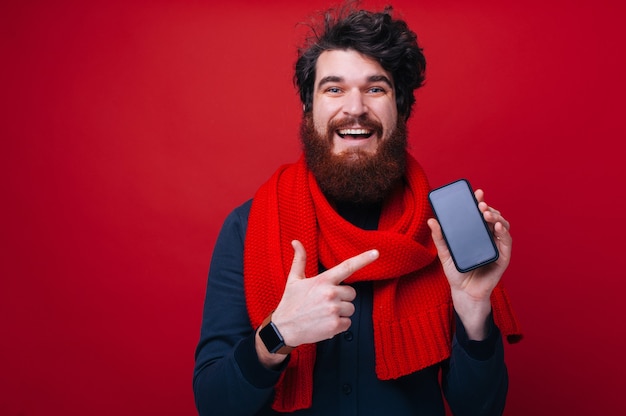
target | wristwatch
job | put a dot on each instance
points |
(272, 339)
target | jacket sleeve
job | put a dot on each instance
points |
(228, 377)
(475, 380)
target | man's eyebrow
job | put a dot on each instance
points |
(329, 79)
(379, 78)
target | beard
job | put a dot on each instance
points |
(355, 175)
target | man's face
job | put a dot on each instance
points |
(353, 140)
(354, 102)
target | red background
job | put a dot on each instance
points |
(130, 130)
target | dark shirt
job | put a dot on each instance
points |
(230, 380)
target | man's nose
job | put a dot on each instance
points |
(354, 104)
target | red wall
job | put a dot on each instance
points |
(130, 130)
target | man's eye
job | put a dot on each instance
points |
(333, 90)
(377, 90)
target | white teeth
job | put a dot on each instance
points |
(353, 132)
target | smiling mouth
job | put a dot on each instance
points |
(355, 133)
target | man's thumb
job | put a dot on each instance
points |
(299, 261)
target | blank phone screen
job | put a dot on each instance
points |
(466, 233)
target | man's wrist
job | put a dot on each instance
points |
(268, 360)
(272, 338)
(474, 314)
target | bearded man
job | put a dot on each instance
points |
(332, 291)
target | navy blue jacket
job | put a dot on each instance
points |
(229, 379)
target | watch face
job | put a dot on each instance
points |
(271, 338)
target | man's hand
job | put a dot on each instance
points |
(319, 307)
(471, 291)
(316, 308)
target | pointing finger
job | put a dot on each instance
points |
(345, 269)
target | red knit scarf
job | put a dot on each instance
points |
(412, 314)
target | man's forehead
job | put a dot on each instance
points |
(341, 65)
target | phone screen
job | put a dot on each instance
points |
(466, 233)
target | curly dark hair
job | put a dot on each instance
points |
(377, 35)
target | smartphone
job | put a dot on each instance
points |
(466, 233)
